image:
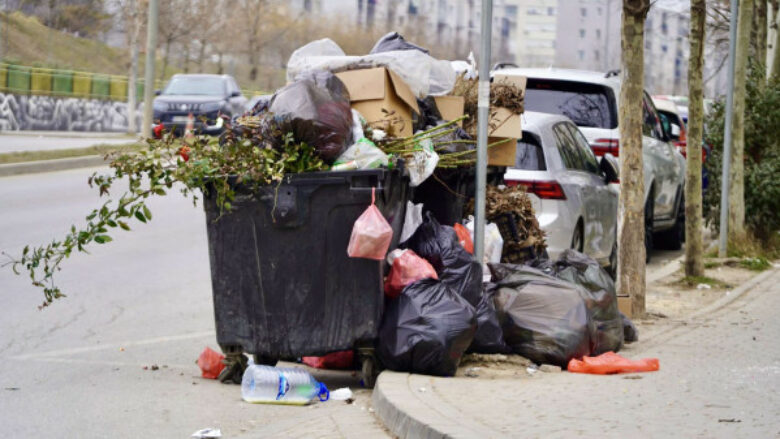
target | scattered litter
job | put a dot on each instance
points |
(611, 363)
(12, 388)
(121, 349)
(155, 367)
(207, 433)
(472, 372)
(276, 385)
(549, 368)
(531, 369)
(730, 420)
(342, 394)
(703, 287)
(632, 377)
(333, 360)
(210, 363)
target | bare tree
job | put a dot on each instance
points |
(173, 26)
(694, 264)
(631, 221)
(758, 34)
(736, 225)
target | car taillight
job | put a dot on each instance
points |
(603, 146)
(549, 190)
(680, 145)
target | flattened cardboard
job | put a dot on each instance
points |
(450, 107)
(504, 124)
(503, 154)
(373, 90)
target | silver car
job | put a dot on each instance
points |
(570, 189)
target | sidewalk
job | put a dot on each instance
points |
(716, 367)
(17, 141)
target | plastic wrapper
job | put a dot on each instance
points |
(440, 246)
(422, 163)
(394, 41)
(489, 338)
(543, 318)
(494, 245)
(315, 109)
(407, 268)
(611, 363)
(210, 363)
(333, 360)
(371, 234)
(600, 297)
(362, 155)
(423, 74)
(464, 237)
(412, 220)
(426, 330)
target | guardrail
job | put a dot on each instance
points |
(28, 80)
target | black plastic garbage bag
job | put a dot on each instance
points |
(394, 41)
(601, 297)
(426, 329)
(489, 338)
(315, 108)
(630, 333)
(455, 266)
(544, 319)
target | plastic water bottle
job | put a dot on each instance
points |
(274, 385)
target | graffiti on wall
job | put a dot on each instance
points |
(21, 112)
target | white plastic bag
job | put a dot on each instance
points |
(412, 220)
(494, 245)
(423, 74)
(362, 155)
(423, 163)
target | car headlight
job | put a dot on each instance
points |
(208, 107)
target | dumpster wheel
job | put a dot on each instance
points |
(369, 368)
(235, 364)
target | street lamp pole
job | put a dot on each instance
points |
(483, 113)
(724, 182)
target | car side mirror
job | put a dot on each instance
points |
(675, 132)
(235, 94)
(609, 166)
(157, 92)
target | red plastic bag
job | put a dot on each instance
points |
(407, 268)
(333, 360)
(464, 237)
(210, 363)
(371, 234)
(611, 363)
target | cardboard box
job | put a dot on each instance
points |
(624, 305)
(450, 107)
(504, 124)
(382, 98)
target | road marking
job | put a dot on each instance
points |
(115, 346)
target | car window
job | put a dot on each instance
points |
(567, 147)
(652, 123)
(587, 105)
(668, 120)
(529, 154)
(583, 148)
(195, 85)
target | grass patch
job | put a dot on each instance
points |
(31, 156)
(711, 264)
(693, 281)
(755, 264)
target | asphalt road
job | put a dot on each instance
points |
(47, 141)
(76, 368)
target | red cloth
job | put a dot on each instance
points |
(210, 363)
(611, 363)
(333, 360)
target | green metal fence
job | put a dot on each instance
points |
(28, 80)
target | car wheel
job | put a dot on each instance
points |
(577, 241)
(648, 227)
(673, 238)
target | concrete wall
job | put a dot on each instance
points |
(21, 112)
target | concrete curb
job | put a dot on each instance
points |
(87, 161)
(410, 414)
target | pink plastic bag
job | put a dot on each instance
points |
(210, 363)
(407, 268)
(371, 234)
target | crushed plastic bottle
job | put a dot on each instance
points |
(274, 385)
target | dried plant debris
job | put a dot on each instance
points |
(512, 210)
(503, 93)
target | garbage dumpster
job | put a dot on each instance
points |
(282, 282)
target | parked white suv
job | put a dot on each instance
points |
(590, 100)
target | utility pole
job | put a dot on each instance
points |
(724, 182)
(483, 114)
(151, 45)
(132, 105)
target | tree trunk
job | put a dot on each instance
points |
(166, 53)
(760, 31)
(694, 249)
(220, 67)
(201, 55)
(774, 71)
(132, 105)
(737, 174)
(187, 58)
(631, 221)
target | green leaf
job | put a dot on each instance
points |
(123, 225)
(147, 212)
(111, 223)
(102, 239)
(140, 216)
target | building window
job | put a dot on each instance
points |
(583, 12)
(581, 54)
(598, 34)
(550, 11)
(510, 11)
(582, 33)
(596, 55)
(599, 11)
(664, 49)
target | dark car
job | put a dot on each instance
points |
(203, 96)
